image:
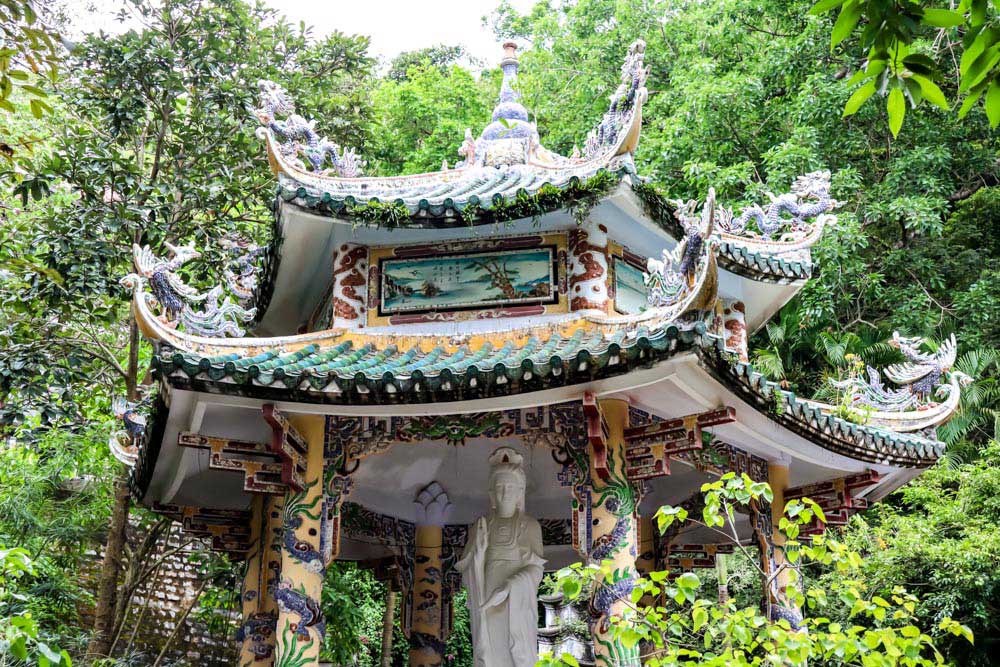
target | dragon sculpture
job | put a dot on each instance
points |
(920, 379)
(630, 91)
(669, 279)
(298, 137)
(240, 268)
(175, 297)
(809, 198)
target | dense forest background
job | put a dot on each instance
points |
(146, 135)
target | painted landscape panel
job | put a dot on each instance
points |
(466, 281)
(630, 290)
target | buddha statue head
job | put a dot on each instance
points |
(507, 483)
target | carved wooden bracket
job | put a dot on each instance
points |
(649, 446)
(597, 434)
(229, 530)
(289, 446)
(835, 498)
(240, 456)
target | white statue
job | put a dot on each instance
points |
(501, 568)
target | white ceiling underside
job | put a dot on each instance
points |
(388, 482)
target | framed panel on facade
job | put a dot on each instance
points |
(626, 285)
(491, 278)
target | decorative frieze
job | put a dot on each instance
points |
(588, 270)
(453, 281)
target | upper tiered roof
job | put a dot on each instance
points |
(505, 160)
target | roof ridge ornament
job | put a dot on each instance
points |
(626, 101)
(789, 216)
(296, 137)
(911, 407)
(688, 266)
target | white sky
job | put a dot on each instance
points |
(393, 25)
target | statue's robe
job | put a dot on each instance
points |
(505, 635)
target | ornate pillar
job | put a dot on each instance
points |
(588, 270)
(260, 609)
(301, 627)
(771, 542)
(613, 518)
(427, 613)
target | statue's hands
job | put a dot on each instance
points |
(499, 595)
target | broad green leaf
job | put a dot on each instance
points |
(896, 106)
(824, 6)
(858, 98)
(569, 659)
(47, 652)
(983, 40)
(979, 69)
(845, 24)
(992, 103)
(931, 91)
(969, 102)
(942, 18)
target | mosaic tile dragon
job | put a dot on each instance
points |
(298, 139)
(670, 279)
(240, 269)
(788, 215)
(292, 601)
(177, 300)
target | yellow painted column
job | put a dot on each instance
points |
(426, 643)
(773, 552)
(301, 626)
(260, 610)
(646, 560)
(613, 518)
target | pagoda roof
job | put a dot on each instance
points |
(505, 162)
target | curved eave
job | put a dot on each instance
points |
(867, 443)
(476, 197)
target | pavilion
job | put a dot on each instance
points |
(405, 327)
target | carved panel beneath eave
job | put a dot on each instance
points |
(243, 457)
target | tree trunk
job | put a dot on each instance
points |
(388, 620)
(107, 588)
(104, 614)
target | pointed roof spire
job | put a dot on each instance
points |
(509, 106)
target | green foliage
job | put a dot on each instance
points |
(420, 119)
(440, 56)
(353, 605)
(940, 535)
(20, 636)
(29, 49)
(680, 627)
(909, 46)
